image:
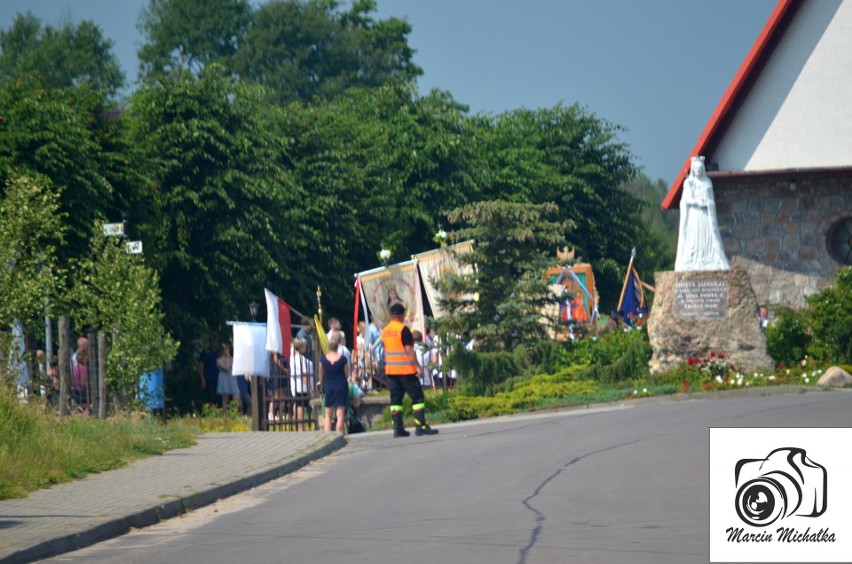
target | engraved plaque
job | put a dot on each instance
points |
(700, 298)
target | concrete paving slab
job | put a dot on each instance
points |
(101, 506)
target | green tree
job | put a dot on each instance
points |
(31, 229)
(190, 34)
(115, 292)
(571, 157)
(69, 55)
(303, 49)
(220, 224)
(657, 238)
(61, 135)
(377, 166)
(500, 302)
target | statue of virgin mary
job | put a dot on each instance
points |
(699, 244)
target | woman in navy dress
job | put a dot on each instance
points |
(335, 384)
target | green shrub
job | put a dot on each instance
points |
(482, 372)
(474, 407)
(531, 392)
(786, 337)
(632, 363)
(545, 357)
(829, 318)
(604, 349)
(572, 374)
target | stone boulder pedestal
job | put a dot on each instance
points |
(696, 313)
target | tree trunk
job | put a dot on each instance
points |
(64, 366)
(102, 360)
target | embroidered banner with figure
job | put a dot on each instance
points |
(435, 264)
(398, 283)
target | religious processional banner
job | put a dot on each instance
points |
(398, 283)
(435, 264)
(250, 356)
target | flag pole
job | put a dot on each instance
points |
(355, 320)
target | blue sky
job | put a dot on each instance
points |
(655, 67)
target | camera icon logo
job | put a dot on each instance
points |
(783, 484)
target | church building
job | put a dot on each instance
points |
(778, 149)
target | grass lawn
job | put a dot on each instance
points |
(38, 449)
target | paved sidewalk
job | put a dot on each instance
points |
(77, 514)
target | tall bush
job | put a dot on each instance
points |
(829, 318)
(482, 372)
(787, 339)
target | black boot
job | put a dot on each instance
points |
(420, 426)
(398, 425)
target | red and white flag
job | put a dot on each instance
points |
(278, 331)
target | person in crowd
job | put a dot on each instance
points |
(355, 393)
(278, 388)
(436, 358)
(342, 348)
(402, 373)
(53, 381)
(82, 347)
(226, 386)
(421, 350)
(244, 385)
(80, 378)
(208, 372)
(376, 352)
(304, 334)
(335, 385)
(333, 325)
(764, 317)
(353, 421)
(301, 380)
(40, 383)
(359, 368)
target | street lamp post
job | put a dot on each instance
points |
(441, 236)
(253, 309)
(384, 255)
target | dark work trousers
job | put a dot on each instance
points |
(401, 385)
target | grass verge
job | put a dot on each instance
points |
(38, 449)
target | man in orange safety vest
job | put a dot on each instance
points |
(403, 374)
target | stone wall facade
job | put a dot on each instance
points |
(776, 227)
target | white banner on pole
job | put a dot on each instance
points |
(250, 355)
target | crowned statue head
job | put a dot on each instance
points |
(696, 167)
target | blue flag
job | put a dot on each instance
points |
(632, 301)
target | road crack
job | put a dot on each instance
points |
(539, 516)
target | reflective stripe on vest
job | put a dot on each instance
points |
(397, 361)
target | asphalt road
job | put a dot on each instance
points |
(623, 484)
